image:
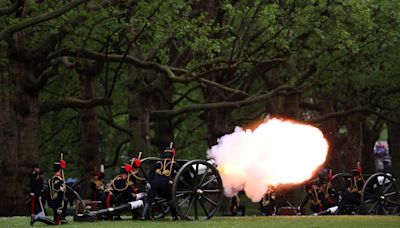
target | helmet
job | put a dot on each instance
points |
(125, 169)
(169, 153)
(59, 164)
(356, 172)
(136, 163)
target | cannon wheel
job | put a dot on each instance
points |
(339, 181)
(379, 195)
(197, 191)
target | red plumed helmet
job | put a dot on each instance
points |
(138, 162)
(63, 164)
(128, 168)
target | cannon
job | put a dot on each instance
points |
(197, 190)
(379, 194)
(197, 193)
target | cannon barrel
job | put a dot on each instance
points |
(92, 215)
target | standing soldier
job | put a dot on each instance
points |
(36, 192)
(160, 178)
(267, 204)
(57, 194)
(97, 185)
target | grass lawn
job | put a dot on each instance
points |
(248, 221)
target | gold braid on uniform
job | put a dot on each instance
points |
(325, 189)
(128, 182)
(166, 172)
(54, 191)
(120, 189)
(315, 200)
(354, 185)
(266, 200)
(98, 184)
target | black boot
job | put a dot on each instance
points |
(174, 213)
(145, 213)
(42, 219)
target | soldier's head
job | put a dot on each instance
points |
(356, 172)
(169, 153)
(58, 165)
(125, 170)
(36, 168)
(323, 176)
(96, 175)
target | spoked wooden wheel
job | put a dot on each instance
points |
(197, 192)
(146, 165)
(379, 196)
(160, 208)
(339, 181)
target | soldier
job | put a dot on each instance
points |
(36, 192)
(97, 185)
(160, 179)
(57, 194)
(351, 197)
(321, 193)
(235, 206)
(267, 204)
(330, 196)
(123, 188)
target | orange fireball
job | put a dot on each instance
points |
(276, 152)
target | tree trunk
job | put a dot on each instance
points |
(352, 149)
(26, 105)
(8, 154)
(139, 110)
(217, 120)
(370, 136)
(90, 156)
(162, 99)
(394, 149)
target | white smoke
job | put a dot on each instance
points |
(276, 152)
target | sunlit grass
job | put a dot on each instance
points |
(247, 221)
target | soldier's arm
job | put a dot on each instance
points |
(152, 171)
(93, 186)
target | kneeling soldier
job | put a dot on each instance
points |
(57, 194)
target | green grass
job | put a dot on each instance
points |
(248, 221)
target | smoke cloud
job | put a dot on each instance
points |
(276, 152)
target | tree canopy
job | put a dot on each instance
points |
(101, 80)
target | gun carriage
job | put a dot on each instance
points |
(379, 194)
(197, 192)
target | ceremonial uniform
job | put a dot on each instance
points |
(124, 188)
(36, 191)
(321, 193)
(352, 195)
(97, 186)
(160, 178)
(267, 204)
(57, 194)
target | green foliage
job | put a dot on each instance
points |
(353, 46)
